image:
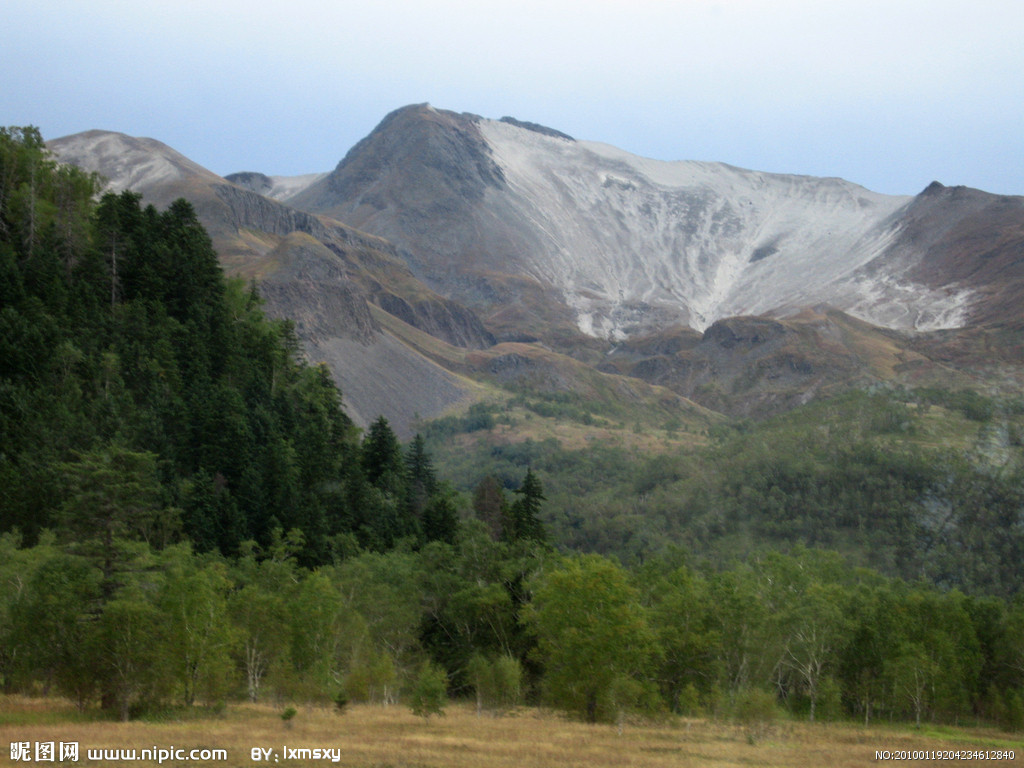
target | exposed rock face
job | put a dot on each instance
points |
(423, 309)
(744, 333)
(447, 320)
(454, 168)
(542, 129)
(259, 183)
(310, 286)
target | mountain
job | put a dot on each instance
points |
(615, 246)
(395, 347)
(448, 255)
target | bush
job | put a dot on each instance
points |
(430, 691)
(340, 701)
(756, 711)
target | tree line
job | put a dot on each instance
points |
(503, 623)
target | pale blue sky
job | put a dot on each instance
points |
(889, 94)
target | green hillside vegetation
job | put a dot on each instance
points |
(189, 517)
(922, 484)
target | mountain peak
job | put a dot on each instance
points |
(428, 162)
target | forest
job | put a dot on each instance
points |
(189, 518)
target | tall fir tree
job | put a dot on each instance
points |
(525, 512)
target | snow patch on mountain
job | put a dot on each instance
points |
(627, 239)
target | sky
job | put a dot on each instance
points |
(891, 95)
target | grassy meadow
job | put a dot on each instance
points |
(370, 736)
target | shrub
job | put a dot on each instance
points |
(429, 692)
(756, 710)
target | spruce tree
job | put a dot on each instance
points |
(525, 512)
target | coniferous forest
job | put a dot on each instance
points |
(189, 517)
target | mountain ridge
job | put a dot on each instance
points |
(630, 244)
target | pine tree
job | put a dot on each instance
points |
(381, 455)
(420, 478)
(525, 512)
(384, 469)
(440, 518)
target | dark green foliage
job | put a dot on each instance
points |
(420, 488)
(971, 404)
(524, 514)
(859, 474)
(479, 417)
(388, 506)
(144, 396)
(440, 520)
(382, 459)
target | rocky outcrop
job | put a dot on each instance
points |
(454, 168)
(310, 285)
(746, 366)
(442, 318)
(259, 183)
(541, 129)
(744, 334)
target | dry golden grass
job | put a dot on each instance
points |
(371, 736)
(575, 436)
